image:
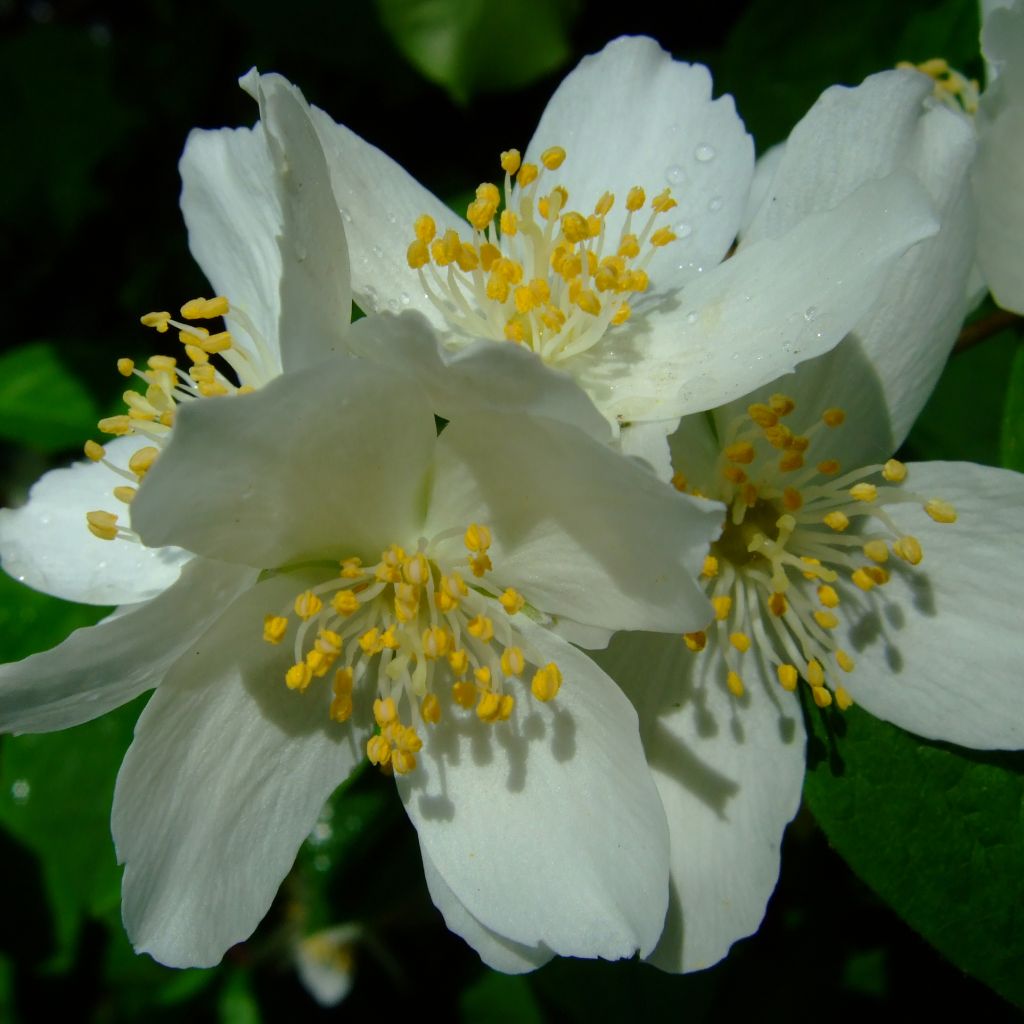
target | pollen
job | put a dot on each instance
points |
(695, 641)
(940, 511)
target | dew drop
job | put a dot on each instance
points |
(810, 313)
(675, 175)
(715, 204)
(392, 219)
(346, 216)
(378, 252)
(691, 317)
(683, 230)
(704, 153)
(404, 298)
(393, 306)
(20, 790)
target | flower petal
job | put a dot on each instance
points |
(318, 462)
(548, 828)
(46, 544)
(379, 203)
(104, 666)
(316, 301)
(729, 775)
(497, 952)
(226, 776)
(938, 647)
(581, 531)
(479, 378)
(631, 115)
(754, 317)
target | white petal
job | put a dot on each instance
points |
(938, 647)
(226, 776)
(548, 828)
(753, 318)
(316, 302)
(233, 213)
(478, 378)
(649, 441)
(730, 776)
(318, 463)
(631, 115)
(379, 203)
(324, 963)
(578, 529)
(46, 544)
(761, 187)
(497, 952)
(104, 666)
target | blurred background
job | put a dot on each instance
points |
(97, 101)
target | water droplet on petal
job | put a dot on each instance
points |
(675, 175)
(810, 313)
(704, 153)
(20, 790)
(715, 204)
(346, 216)
(404, 298)
(378, 252)
(691, 317)
(683, 230)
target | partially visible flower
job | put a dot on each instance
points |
(325, 962)
(839, 568)
(600, 248)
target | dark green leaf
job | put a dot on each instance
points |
(935, 830)
(499, 999)
(472, 46)
(237, 1003)
(1012, 440)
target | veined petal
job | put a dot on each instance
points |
(938, 647)
(104, 666)
(729, 775)
(583, 532)
(478, 378)
(631, 115)
(549, 831)
(226, 776)
(497, 952)
(649, 441)
(47, 545)
(379, 203)
(769, 307)
(318, 463)
(316, 301)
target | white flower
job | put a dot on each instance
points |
(644, 180)
(893, 586)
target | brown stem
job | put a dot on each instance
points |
(974, 334)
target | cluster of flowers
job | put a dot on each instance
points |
(557, 533)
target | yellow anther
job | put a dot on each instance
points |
(210, 389)
(329, 642)
(821, 696)
(940, 511)
(792, 499)
(741, 452)
(722, 606)
(843, 699)
(710, 567)
(748, 494)
(159, 363)
(125, 494)
(827, 620)
(844, 661)
(125, 367)
(489, 707)
(102, 524)
(416, 569)
(836, 521)
(417, 255)
(788, 677)
(876, 551)
(204, 373)
(513, 662)
(425, 229)
(403, 761)
(863, 579)
(480, 564)
(797, 443)
(509, 222)
(778, 436)
(157, 320)
(514, 332)
(808, 560)
(430, 709)
(307, 604)
(481, 627)
(468, 258)
(763, 415)
(479, 213)
(777, 604)
(512, 601)
(351, 568)
(527, 175)
(94, 451)
(464, 694)
(781, 405)
(216, 343)
(378, 750)
(407, 601)
(833, 417)
(604, 204)
(205, 309)
(574, 227)
(342, 683)
(815, 674)
(319, 663)
(385, 711)
(197, 355)
(341, 707)
(735, 684)
(510, 160)
(622, 314)
(791, 461)
(274, 628)
(663, 202)
(141, 462)
(864, 492)
(877, 573)
(629, 247)
(635, 198)
(740, 641)
(894, 471)
(477, 537)
(909, 549)
(116, 425)
(827, 596)
(458, 660)
(588, 302)
(546, 682)
(679, 481)
(345, 603)
(553, 157)
(829, 467)
(734, 475)
(436, 642)
(662, 237)
(299, 676)
(696, 641)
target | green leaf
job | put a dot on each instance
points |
(472, 46)
(55, 797)
(41, 403)
(936, 831)
(237, 1003)
(499, 999)
(1012, 439)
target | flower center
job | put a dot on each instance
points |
(149, 415)
(538, 274)
(791, 531)
(433, 637)
(952, 88)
